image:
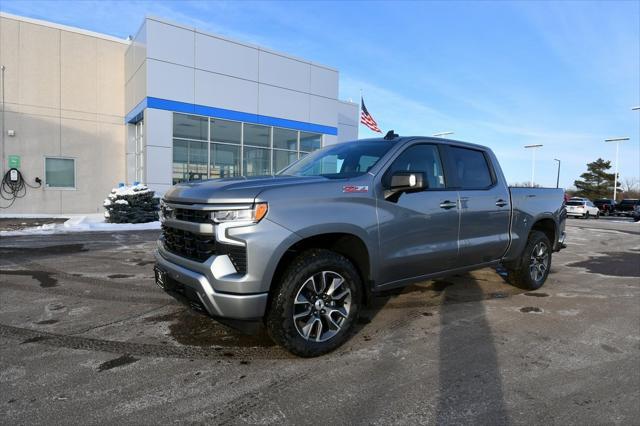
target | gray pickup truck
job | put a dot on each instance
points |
(306, 249)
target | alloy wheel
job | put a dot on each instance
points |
(539, 261)
(321, 306)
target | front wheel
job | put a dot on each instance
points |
(315, 304)
(532, 269)
(598, 215)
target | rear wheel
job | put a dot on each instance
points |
(316, 303)
(532, 269)
(587, 215)
(598, 215)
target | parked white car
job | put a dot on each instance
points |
(582, 208)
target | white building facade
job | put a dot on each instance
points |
(202, 106)
(171, 105)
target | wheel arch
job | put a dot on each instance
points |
(548, 227)
(346, 244)
(545, 224)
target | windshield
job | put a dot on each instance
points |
(575, 203)
(340, 161)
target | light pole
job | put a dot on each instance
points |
(533, 160)
(635, 108)
(615, 176)
(439, 135)
(558, 178)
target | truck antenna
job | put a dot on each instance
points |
(390, 135)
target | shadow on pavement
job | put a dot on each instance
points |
(470, 384)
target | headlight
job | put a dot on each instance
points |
(254, 214)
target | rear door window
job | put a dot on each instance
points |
(470, 168)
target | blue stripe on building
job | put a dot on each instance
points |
(188, 108)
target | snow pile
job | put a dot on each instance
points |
(131, 204)
(82, 223)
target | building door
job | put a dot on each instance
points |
(140, 154)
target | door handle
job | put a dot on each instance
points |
(501, 203)
(448, 205)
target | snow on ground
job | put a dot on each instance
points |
(84, 223)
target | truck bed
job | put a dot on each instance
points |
(528, 206)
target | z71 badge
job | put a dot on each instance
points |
(355, 188)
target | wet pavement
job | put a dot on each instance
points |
(87, 337)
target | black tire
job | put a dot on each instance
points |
(598, 215)
(587, 215)
(519, 273)
(279, 319)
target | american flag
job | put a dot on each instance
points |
(367, 119)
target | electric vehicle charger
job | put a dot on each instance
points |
(14, 186)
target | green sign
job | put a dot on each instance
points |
(14, 161)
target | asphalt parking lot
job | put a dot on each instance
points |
(87, 337)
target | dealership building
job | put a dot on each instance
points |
(84, 111)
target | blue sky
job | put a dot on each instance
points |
(503, 74)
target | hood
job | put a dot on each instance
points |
(233, 190)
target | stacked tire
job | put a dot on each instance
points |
(131, 204)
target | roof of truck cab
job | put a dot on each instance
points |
(406, 139)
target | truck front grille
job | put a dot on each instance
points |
(201, 247)
(189, 245)
(195, 216)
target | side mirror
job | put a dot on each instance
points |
(408, 182)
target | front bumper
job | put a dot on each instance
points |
(216, 303)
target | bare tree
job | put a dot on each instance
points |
(524, 185)
(630, 184)
(631, 188)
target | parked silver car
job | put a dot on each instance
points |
(304, 250)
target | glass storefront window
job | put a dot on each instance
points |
(190, 127)
(256, 161)
(190, 160)
(282, 159)
(226, 131)
(285, 139)
(180, 160)
(310, 141)
(257, 135)
(206, 148)
(225, 161)
(198, 160)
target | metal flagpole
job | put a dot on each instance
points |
(359, 112)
